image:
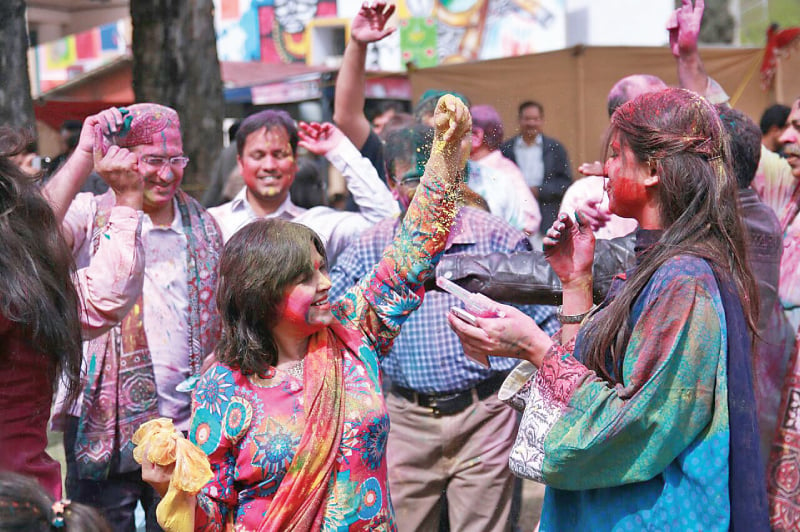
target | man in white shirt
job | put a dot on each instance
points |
(542, 159)
(267, 145)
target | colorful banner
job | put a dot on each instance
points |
(418, 41)
(431, 31)
(59, 61)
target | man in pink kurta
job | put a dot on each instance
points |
(487, 134)
(146, 365)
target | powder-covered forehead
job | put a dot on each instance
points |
(145, 120)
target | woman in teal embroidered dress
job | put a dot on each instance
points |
(633, 423)
(292, 416)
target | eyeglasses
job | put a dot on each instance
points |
(158, 161)
(410, 179)
(410, 182)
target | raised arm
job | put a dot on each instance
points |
(61, 189)
(684, 32)
(370, 193)
(382, 301)
(369, 25)
(112, 281)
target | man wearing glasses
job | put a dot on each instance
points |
(146, 365)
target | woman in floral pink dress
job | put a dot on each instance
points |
(292, 416)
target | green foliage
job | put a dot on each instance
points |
(756, 19)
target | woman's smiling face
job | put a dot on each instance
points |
(305, 307)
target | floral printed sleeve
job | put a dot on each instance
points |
(211, 430)
(383, 300)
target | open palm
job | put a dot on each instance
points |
(369, 25)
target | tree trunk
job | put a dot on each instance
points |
(175, 63)
(16, 106)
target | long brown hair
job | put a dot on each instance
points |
(680, 135)
(37, 293)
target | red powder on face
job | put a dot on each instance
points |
(297, 308)
(627, 194)
(299, 311)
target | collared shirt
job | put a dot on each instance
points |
(591, 188)
(337, 228)
(164, 296)
(516, 205)
(531, 214)
(427, 356)
(530, 160)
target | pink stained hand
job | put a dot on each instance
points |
(109, 122)
(595, 168)
(318, 138)
(569, 248)
(369, 24)
(511, 334)
(119, 167)
(684, 27)
(592, 213)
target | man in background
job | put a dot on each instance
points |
(543, 160)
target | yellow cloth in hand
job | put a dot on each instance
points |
(166, 446)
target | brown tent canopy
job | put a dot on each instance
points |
(573, 84)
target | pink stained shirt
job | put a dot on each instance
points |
(775, 184)
(165, 298)
(531, 214)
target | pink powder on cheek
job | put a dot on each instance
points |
(296, 306)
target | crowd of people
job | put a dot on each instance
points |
(629, 341)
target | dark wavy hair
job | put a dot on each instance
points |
(681, 136)
(258, 265)
(24, 506)
(37, 293)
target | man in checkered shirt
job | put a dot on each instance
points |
(449, 432)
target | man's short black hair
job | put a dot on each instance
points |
(266, 119)
(745, 143)
(530, 103)
(774, 115)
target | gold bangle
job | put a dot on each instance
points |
(571, 319)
